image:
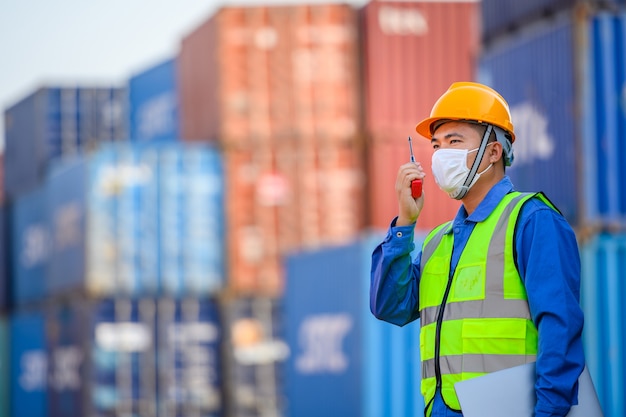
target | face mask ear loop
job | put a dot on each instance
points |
(477, 161)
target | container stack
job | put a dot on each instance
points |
(409, 59)
(277, 89)
(197, 242)
(560, 66)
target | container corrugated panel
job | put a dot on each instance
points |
(288, 197)
(543, 104)
(191, 217)
(385, 156)
(102, 357)
(29, 359)
(5, 367)
(502, 17)
(155, 220)
(603, 260)
(189, 335)
(273, 73)
(255, 353)
(121, 185)
(30, 240)
(603, 100)
(360, 365)
(65, 207)
(154, 103)
(56, 122)
(412, 52)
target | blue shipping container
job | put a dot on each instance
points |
(65, 207)
(30, 239)
(603, 99)
(154, 103)
(102, 358)
(575, 160)
(5, 368)
(189, 334)
(502, 16)
(543, 103)
(56, 122)
(29, 364)
(255, 354)
(191, 220)
(603, 297)
(340, 353)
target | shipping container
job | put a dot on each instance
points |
(254, 355)
(567, 112)
(412, 52)
(191, 220)
(603, 105)
(603, 259)
(55, 122)
(30, 248)
(189, 337)
(137, 220)
(542, 100)
(358, 365)
(65, 212)
(154, 103)
(5, 367)
(503, 17)
(258, 74)
(29, 364)
(285, 198)
(102, 357)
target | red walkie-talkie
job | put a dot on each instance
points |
(416, 185)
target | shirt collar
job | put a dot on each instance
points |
(486, 207)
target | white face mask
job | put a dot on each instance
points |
(450, 170)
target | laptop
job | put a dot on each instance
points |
(511, 393)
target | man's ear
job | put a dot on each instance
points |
(496, 152)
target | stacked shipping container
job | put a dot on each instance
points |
(55, 122)
(568, 112)
(278, 89)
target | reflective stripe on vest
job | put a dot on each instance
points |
(486, 324)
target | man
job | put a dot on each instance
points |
(499, 285)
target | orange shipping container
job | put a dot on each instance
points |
(286, 198)
(278, 87)
(413, 51)
(279, 72)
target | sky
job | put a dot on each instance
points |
(94, 42)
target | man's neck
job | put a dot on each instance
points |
(478, 192)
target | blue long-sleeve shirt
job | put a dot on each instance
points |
(547, 258)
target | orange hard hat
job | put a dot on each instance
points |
(471, 102)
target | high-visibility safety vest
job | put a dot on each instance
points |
(477, 320)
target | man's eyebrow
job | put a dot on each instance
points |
(448, 136)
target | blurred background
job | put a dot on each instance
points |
(191, 192)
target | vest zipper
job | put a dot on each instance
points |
(438, 330)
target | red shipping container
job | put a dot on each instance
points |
(386, 154)
(413, 51)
